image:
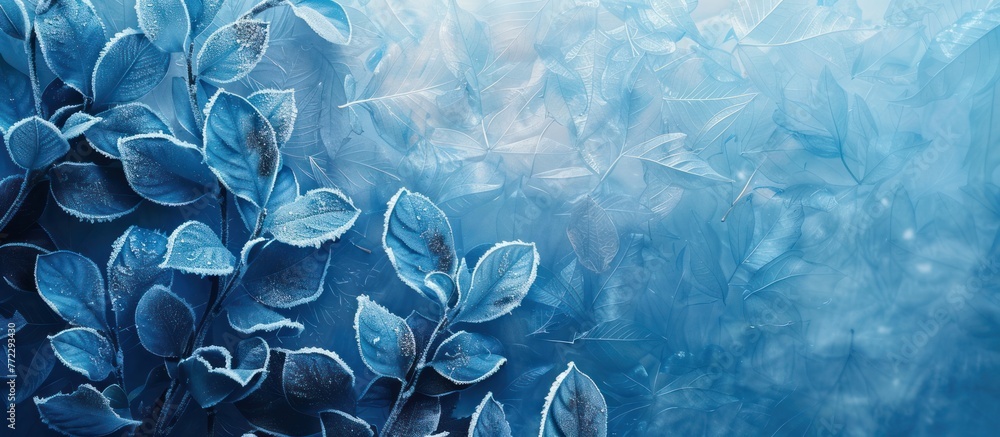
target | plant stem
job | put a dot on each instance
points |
(210, 431)
(261, 7)
(410, 387)
(192, 85)
(36, 89)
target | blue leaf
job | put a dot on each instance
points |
(489, 419)
(165, 170)
(419, 416)
(18, 268)
(418, 238)
(14, 19)
(772, 225)
(34, 143)
(267, 408)
(164, 321)
(165, 22)
(593, 235)
(233, 50)
(195, 248)
(283, 276)
(316, 380)
(85, 351)
(70, 35)
(468, 358)
(124, 121)
(84, 412)
(286, 190)
(240, 147)
(15, 92)
(201, 13)
(440, 288)
(213, 375)
(960, 58)
(500, 280)
(248, 317)
(278, 106)
(325, 17)
(92, 192)
(73, 287)
(574, 407)
(320, 215)
(130, 66)
(77, 124)
(668, 152)
(386, 342)
(134, 268)
(337, 423)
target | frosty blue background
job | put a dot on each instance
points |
(757, 217)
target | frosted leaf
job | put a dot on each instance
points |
(164, 321)
(321, 215)
(195, 248)
(85, 351)
(386, 343)
(233, 50)
(468, 358)
(500, 280)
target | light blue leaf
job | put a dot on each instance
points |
(278, 106)
(385, 341)
(233, 50)
(70, 35)
(283, 276)
(15, 92)
(73, 287)
(85, 351)
(325, 17)
(489, 419)
(14, 19)
(195, 248)
(240, 147)
(248, 317)
(164, 321)
(34, 143)
(212, 375)
(668, 152)
(620, 342)
(124, 121)
(165, 22)
(92, 192)
(574, 407)
(286, 190)
(439, 287)
(134, 268)
(418, 238)
(593, 235)
(775, 226)
(783, 22)
(316, 380)
(960, 58)
(320, 215)
(129, 67)
(201, 13)
(77, 124)
(84, 412)
(468, 358)
(165, 170)
(337, 423)
(500, 280)
(818, 119)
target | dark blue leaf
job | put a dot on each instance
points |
(116, 396)
(419, 416)
(240, 147)
(468, 358)
(84, 412)
(18, 268)
(195, 248)
(34, 143)
(77, 124)
(165, 170)
(278, 106)
(320, 215)
(14, 19)
(286, 190)
(213, 375)
(500, 281)
(15, 92)
(134, 268)
(86, 351)
(574, 407)
(73, 287)
(489, 419)
(316, 380)
(418, 238)
(325, 17)
(248, 317)
(267, 408)
(58, 95)
(201, 13)
(70, 35)
(165, 22)
(386, 343)
(92, 192)
(283, 276)
(130, 66)
(124, 121)
(164, 321)
(233, 50)
(337, 423)
(10, 188)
